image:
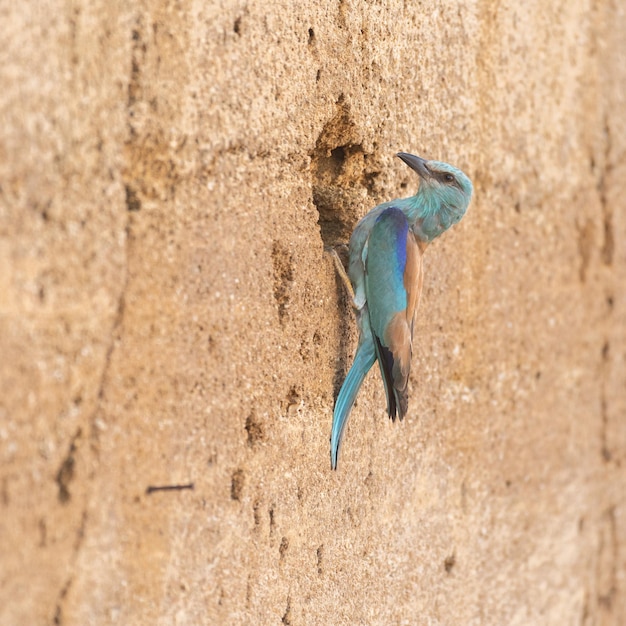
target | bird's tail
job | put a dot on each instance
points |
(363, 361)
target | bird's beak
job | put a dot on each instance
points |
(415, 163)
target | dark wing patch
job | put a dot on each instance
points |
(385, 361)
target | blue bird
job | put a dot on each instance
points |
(385, 277)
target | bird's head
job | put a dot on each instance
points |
(443, 196)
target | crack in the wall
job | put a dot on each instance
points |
(605, 449)
(137, 60)
(237, 483)
(254, 429)
(608, 245)
(449, 563)
(272, 517)
(152, 169)
(57, 619)
(286, 619)
(606, 574)
(67, 470)
(606, 257)
(282, 549)
(62, 595)
(133, 203)
(284, 274)
(113, 334)
(585, 247)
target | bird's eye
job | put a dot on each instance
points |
(448, 178)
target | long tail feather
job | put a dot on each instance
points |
(363, 361)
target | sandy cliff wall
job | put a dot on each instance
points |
(170, 173)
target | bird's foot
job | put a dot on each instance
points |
(341, 270)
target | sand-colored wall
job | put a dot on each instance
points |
(170, 173)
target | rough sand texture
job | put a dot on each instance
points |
(170, 173)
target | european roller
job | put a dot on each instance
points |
(385, 277)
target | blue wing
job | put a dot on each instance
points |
(393, 281)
